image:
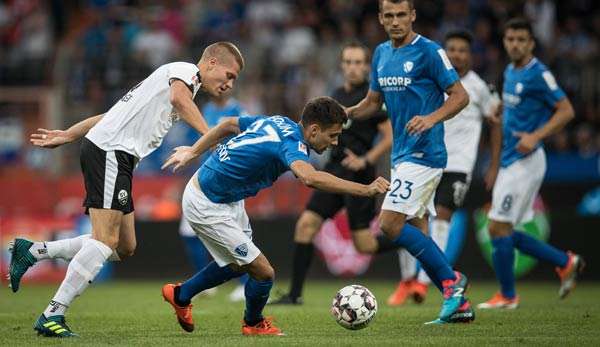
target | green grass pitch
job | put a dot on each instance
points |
(133, 313)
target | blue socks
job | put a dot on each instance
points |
(503, 258)
(211, 276)
(257, 294)
(539, 249)
(427, 252)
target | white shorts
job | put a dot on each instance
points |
(223, 228)
(185, 229)
(516, 188)
(412, 190)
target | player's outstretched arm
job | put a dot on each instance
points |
(327, 182)
(181, 99)
(182, 155)
(456, 101)
(367, 106)
(54, 138)
(564, 114)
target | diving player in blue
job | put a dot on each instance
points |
(213, 201)
(213, 111)
(534, 107)
(411, 73)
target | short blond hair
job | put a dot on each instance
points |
(222, 49)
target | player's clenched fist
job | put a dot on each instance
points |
(180, 157)
(379, 186)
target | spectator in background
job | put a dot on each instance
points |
(154, 46)
(585, 141)
(542, 14)
(290, 45)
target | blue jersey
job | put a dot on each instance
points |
(182, 134)
(529, 97)
(413, 79)
(253, 160)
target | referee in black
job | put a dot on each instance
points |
(352, 159)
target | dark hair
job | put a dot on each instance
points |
(459, 34)
(519, 23)
(324, 111)
(411, 3)
(356, 44)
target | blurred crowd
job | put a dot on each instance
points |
(97, 49)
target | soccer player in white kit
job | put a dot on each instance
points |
(461, 135)
(113, 144)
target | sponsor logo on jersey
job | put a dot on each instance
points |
(510, 99)
(302, 147)
(394, 83)
(242, 250)
(519, 88)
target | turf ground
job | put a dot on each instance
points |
(133, 313)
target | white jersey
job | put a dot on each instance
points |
(463, 131)
(137, 123)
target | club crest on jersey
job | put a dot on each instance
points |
(519, 88)
(408, 66)
(122, 197)
(242, 250)
(302, 147)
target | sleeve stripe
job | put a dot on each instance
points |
(179, 79)
(550, 80)
(445, 59)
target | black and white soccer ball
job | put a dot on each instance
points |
(354, 307)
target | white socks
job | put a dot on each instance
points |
(408, 265)
(439, 233)
(82, 269)
(65, 249)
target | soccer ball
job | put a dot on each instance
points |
(354, 307)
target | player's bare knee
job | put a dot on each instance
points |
(443, 213)
(127, 250)
(307, 227)
(111, 239)
(260, 269)
(365, 248)
(499, 229)
(264, 272)
(390, 228)
(364, 241)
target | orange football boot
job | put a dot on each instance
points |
(402, 292)
(419, 291)
(499, 301)
(264, 327)
(184, 314)
(568, 274)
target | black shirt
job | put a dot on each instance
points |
(358, 135)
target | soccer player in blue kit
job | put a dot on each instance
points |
(534, 107)
(213, 201)
(410, 73)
